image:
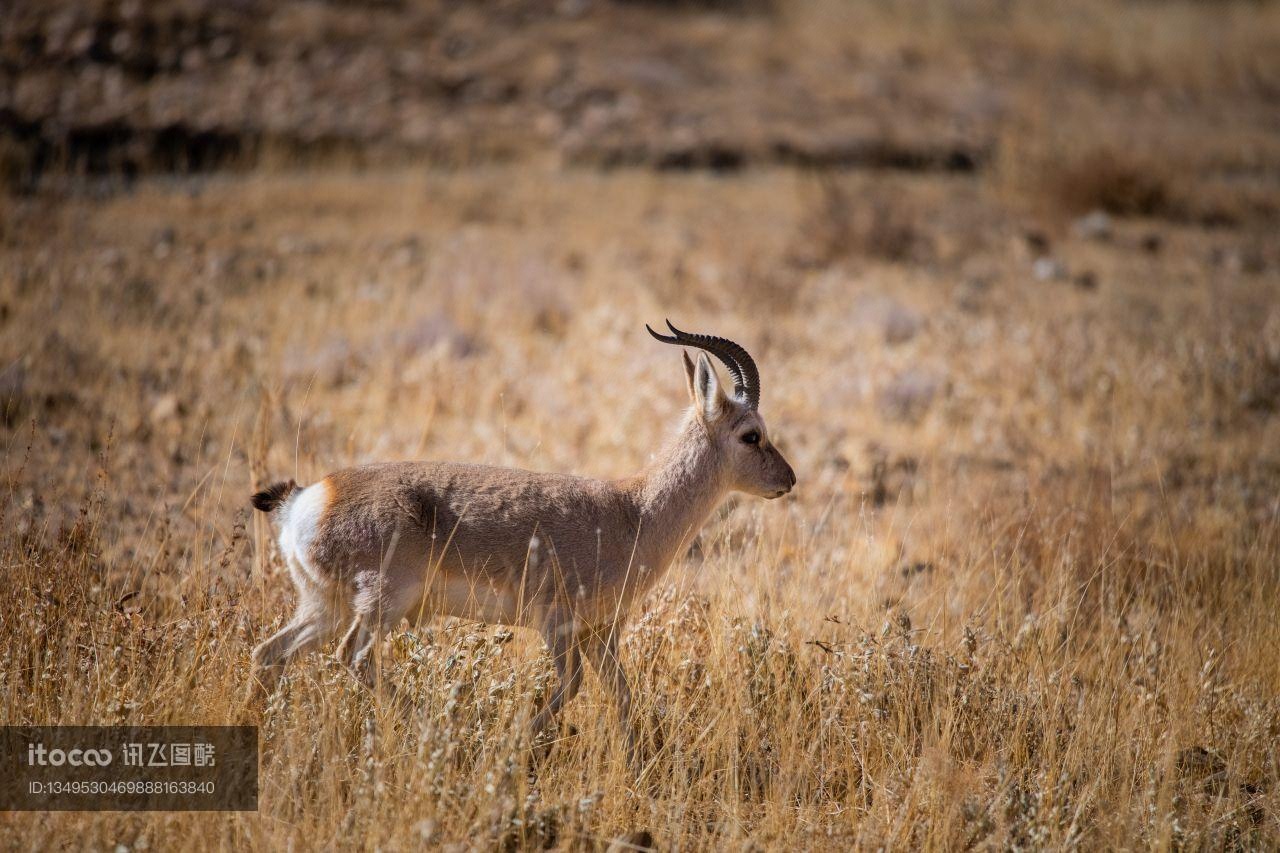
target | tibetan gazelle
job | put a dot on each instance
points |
(564, 555)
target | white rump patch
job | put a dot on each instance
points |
(302, 523)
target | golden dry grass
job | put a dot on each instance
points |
(1023, 597)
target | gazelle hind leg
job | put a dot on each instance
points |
(319, 615)
(352, 640)
(376, 613)
(355, 647)
(270, 658)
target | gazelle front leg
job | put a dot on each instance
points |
(560, 633)
(601, 648)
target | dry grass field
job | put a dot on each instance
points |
(1024, 595)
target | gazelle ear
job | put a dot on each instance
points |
(708, 393)
(688, 375)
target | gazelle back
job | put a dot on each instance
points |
(562, 554)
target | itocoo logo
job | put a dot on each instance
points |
(39, 756)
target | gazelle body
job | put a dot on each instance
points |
(565, 555)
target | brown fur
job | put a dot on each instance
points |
(480, 521)
(562, 554)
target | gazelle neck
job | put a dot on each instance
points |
(677, 492)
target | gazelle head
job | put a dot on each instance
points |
(731, 421)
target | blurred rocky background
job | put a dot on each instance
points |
(1143, 91)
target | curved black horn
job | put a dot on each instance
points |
(746, 378)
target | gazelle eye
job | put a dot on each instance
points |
(752, 437)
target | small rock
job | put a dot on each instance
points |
(908, 394)
(1252, 261)
(1087, 280)
(1236, 260)
(1206, 766)
(901, 324)
(162, 242)
(433, 330)
(1228, 258)
(1152, 243)
(971, 295)
(166, 408)
(573, 8)
(640, 839)
(1198, 761)
(334, 362)
(1093, 226)
(294, 244)
(879, 312)
(1037, 241)
(406, 252)
(1048, 269)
